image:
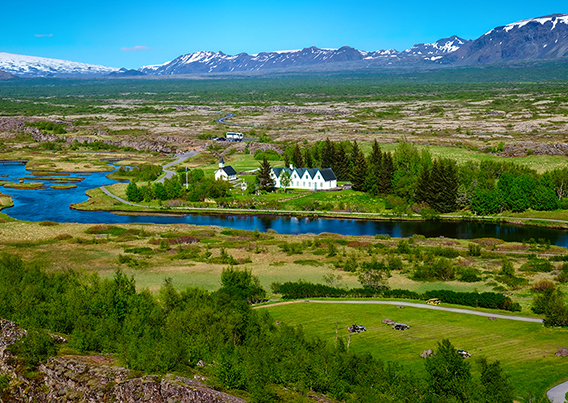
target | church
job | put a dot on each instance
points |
(226, 173)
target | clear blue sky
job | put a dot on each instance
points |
(132, 33)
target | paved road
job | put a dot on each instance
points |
(434, 307)
(181, 158)
(118, 198)
(558, 393)
(222, 120)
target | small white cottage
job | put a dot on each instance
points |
(226, 173)
(306, 178)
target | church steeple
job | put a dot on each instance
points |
(221, 163)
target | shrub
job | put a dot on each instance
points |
(48, 223)
(537, 265)
(543, 286)
(469, 275)
(474, 249)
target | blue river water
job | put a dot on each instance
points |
(53, 205)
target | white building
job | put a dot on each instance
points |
(306, 178)
(226, 173)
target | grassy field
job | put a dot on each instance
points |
(525, 350)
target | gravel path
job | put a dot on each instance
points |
(558, 393)
(434, 307)
(181, 158)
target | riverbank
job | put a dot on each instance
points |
(105, 200)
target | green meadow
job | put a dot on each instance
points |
(525, 350)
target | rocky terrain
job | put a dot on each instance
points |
(94, 379)
(6, 76)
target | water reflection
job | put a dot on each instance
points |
(53, 205)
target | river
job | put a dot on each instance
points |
(53, 205)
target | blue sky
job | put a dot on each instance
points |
(133, 33)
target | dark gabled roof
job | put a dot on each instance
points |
(229, 170)
(328, 174)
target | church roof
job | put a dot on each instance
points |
(229, 170)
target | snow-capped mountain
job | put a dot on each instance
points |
(535, 38)
(440, 47)
(219, 62)
(32, 66)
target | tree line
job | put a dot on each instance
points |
(410, 177)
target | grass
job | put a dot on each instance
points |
(525, 350)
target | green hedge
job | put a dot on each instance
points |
(302, 289)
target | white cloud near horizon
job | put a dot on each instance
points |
(43, 35)
(135, 49)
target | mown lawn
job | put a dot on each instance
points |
(525, 350)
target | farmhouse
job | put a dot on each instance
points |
(226, 173)
(306, 178)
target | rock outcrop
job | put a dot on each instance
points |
(94, 379)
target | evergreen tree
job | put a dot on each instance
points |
(376, 157)
(263, 177)
(308, 161)
(315, 152)
(374, 168)
(386, 174)
(423, 189)
(297, 159)
(355, 151)
(328, 151)
(442, 192)
(340, 164)
(286, 160)
(359, 172)
(495, 385)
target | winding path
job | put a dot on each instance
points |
(558, 393)
(421, 306)
(170, 174)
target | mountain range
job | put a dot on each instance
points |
(531, 39)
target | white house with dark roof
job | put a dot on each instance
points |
(306, 178)
(226, 173)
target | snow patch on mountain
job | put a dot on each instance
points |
(33, 66)
(555, 19)
(442, 46)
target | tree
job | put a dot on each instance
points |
(359, 168)
(297, 158)
(340, 165)
(133, 194)
(443, 186)
(285, 180)
(387, 174)
(448, 373)
(374, 169)
(308, 160)
(423, 189)
(264, 177)
(241, 285)
(495, 385)
(286, 160)
(374, 275)
(327, 154)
